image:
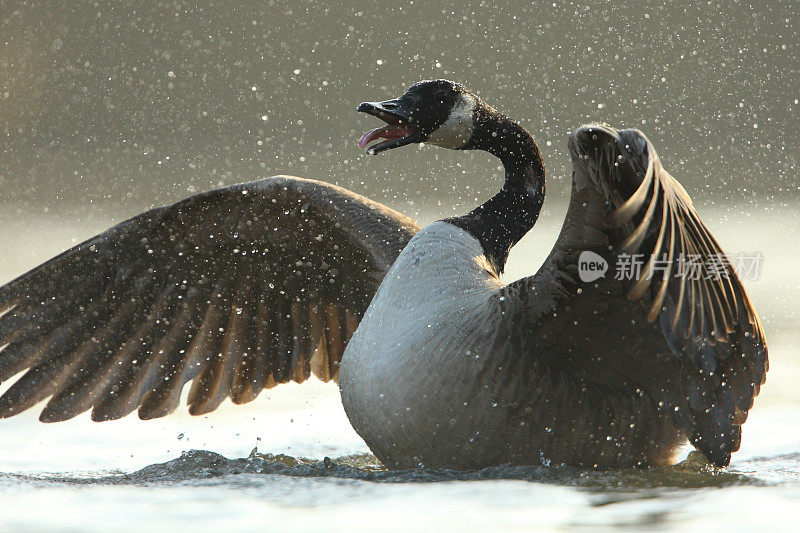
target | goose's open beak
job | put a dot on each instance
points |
(398, 130)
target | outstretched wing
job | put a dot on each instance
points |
(237, 289)
(669, 318)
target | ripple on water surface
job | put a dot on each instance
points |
(198, 465)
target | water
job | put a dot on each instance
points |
(311, 470)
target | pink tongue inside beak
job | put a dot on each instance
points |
(388, 132)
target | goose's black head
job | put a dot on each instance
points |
(444, 113)
(438, 112)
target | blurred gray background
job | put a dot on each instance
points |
(117, 106)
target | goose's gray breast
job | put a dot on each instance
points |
(408, 370)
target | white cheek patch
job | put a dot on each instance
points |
(457, 129)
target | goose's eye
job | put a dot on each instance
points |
(441, 96)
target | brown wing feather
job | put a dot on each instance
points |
(694, 344)
(237, 289)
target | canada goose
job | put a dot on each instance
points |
(440, 363)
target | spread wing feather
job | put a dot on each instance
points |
(236, 290)
(670, 310)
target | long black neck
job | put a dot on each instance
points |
(500, 222)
